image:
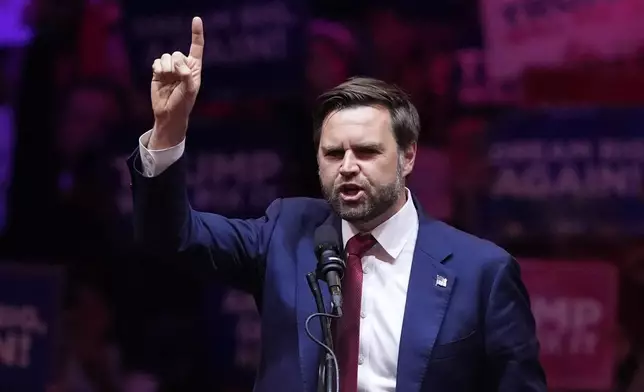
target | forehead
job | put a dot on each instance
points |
(359, 124)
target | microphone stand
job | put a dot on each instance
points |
(326, 370)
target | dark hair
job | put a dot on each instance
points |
(361, 91)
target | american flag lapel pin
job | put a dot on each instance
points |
(441, 281)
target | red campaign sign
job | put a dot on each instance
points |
(600, 83)
(575, 305)
(431, 182)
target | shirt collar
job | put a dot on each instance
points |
(393, 233)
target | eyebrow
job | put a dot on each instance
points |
(360, 146)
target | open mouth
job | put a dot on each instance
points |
(350, 192)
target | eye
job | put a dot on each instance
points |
(366, 152)
(335, 153)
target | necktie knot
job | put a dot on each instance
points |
(359, 244)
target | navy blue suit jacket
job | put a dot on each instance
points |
(475, 334)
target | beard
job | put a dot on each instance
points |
(375, 202)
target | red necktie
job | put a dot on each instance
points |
(347, 333)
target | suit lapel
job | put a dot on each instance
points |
(428, 294)
(305, 306)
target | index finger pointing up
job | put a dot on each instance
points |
(196, 46)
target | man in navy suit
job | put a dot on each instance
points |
(426, 307)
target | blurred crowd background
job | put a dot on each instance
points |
(533, 137)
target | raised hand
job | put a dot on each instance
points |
(175, 83)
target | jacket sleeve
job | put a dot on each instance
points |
(511, 345)
(165, 224)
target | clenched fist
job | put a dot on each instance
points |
(175, 84)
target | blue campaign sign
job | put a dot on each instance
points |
(236, 168)
(30, 305)
(566, 172)
(253, 48)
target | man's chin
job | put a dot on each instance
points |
(351, 212)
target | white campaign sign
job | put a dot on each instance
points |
(544, 33)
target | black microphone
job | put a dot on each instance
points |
(331, 265)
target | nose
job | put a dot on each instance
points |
(349, 166)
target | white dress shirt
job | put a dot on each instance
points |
(386, 267)
(156, 161)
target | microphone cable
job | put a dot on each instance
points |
(325, 319)
(324, 346)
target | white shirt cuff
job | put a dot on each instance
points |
(156, 162)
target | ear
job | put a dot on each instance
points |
(408, 158)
